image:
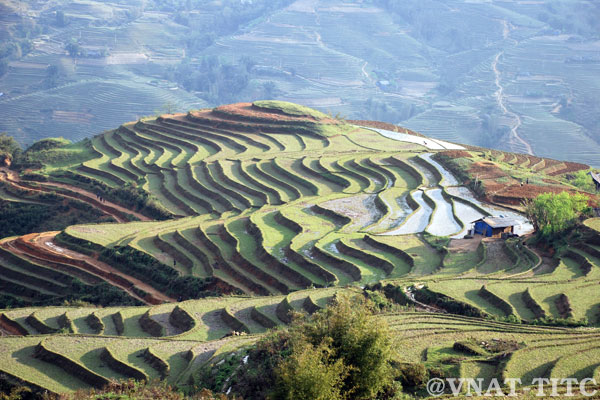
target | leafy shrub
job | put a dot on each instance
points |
(18, 218)
(427, 296)
(378, 298)
(47, 144)
(141, 391)
(413, 376)
(337, 353)
(392, 292)
(566, 322)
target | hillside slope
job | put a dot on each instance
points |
(261, 198)
(228, 219)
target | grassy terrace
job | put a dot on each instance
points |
(234, 163)
(230, 163)
(192, 335)
(271, 201)
(207, 321)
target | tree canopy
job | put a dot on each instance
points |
(9, 148)
(342, 352)
(553, 213)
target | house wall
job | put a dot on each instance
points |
(497, 233)
(481, 228)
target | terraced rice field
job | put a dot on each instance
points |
(167, 341)
(244, 183)
(269, 203)
(282, 210)
(174, 342)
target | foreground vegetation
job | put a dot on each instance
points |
(311, 359)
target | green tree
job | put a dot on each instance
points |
(3, 67)
(60, 18)
(310, 373)
(343, 352)
(73, 49)
(52, 75)
(362, 342)
(583, 181)
(9, 148)
(552, 213)
(269, 88)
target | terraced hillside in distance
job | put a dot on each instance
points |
(468, 79)
(228, 219)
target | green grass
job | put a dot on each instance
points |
(276, 238)
(108, 235)
(331, 166)
(427, 259)
(65, 156)
(78, 316)
(401, 268)
(290, 109)
(593, 223)
(466, 290)
(17, 359)
(580, 364)
(427, 337)
(248, 246)
(369, 273)
(457, 262)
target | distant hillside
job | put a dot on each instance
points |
(456, 70)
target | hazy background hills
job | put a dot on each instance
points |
(513, 75)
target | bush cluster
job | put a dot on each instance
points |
(18, 218)
(337, 353)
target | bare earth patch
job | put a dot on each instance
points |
(465, 245)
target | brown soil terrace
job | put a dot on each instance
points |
(72, 192)
(246, 121)
(501, 188)
(41, 248)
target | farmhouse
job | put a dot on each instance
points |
(495, 226)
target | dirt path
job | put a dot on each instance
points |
(465, 245)
(500, 98)
(91, 198)
(366, 74)
(515, 139)
(42, 247)
(107, 207)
